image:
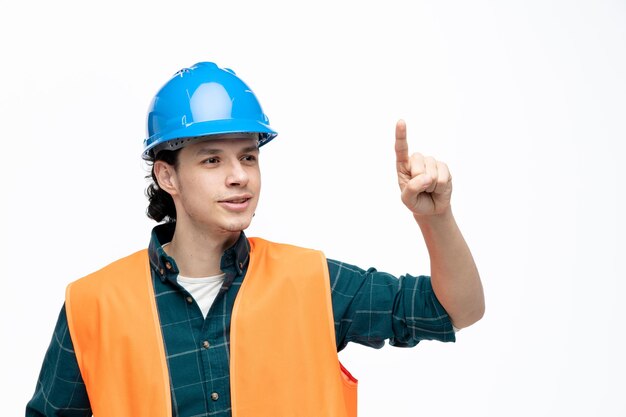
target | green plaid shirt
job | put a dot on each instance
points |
(369, 307)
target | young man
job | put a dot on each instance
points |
(208, 322)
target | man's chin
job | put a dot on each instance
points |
(236, 226)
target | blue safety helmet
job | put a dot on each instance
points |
(200, 101)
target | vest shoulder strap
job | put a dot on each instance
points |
(111, 313)
(284, 359)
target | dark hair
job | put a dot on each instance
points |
(161, 205)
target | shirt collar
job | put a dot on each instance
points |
(235, 259)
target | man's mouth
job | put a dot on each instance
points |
(235, 200)
(237, 203)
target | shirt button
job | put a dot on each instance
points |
(241, 265)
(189, 299)
(215, 396)
(168, 265)
(161, 271)
(206, 344)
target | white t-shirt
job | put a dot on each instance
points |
(203, 290)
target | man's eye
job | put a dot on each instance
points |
(249, 158)
(211, 161)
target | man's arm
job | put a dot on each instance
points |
(60, 390)
(426, 188)
(371, 306)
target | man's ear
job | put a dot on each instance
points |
(166, 177)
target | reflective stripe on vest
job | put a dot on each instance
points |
(282, 343)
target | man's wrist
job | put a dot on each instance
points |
(434, 219)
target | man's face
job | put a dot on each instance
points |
(218, 184)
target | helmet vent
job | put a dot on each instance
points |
(181, 72)
(175, 144)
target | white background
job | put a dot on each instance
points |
(525, 101)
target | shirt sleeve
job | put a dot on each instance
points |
(370, 307)
(60, 390)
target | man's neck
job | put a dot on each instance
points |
(199, 253)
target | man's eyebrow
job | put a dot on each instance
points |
(252, 148)
(209, 151)
(216, 151)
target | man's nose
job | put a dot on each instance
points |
(237, 175)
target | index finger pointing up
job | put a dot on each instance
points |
(402, 147)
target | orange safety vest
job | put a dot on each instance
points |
(283, 358)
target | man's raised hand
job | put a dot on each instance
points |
(425, 183)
